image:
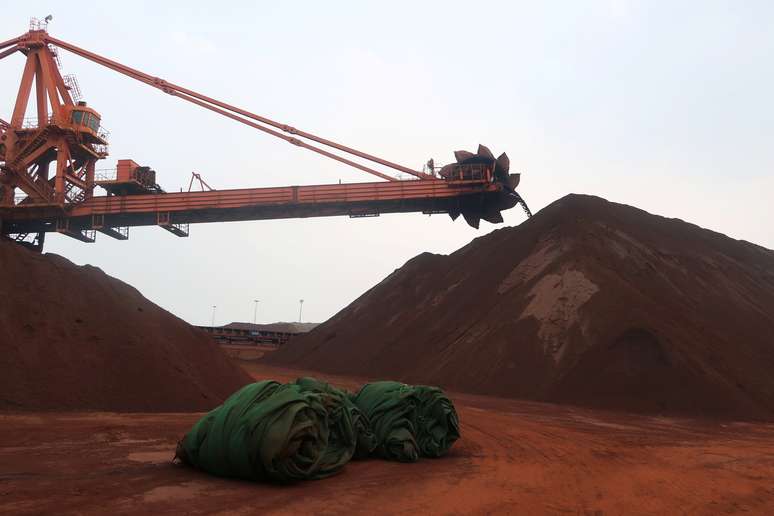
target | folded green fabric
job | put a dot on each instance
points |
(265, 431)
(309, 429)
(350, 429)
(409, 421)
(438, 425)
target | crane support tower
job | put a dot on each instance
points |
(48, 168)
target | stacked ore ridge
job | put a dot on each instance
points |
(589, 302)
(72, 338)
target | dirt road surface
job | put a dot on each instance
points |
(514, 457)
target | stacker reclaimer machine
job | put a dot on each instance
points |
(48, 171)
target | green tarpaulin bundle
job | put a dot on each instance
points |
(409, 421)
(269, 431)
(345, 417)
(309, 429)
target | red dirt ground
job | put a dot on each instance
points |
(246, 352)
(515, 457)
(75, 338)
(589, 302)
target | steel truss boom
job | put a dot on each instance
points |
(353, 199)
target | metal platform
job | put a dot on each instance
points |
(171, 210)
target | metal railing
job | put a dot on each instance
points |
(55, 53)
(72, 86)
(38, 24)
(106, 174)
(470, 171)
(182, 228)
(32, 122)
(100, 149)
(122, 230)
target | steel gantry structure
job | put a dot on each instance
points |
(48, 167)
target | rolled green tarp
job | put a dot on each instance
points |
(351, 432)
(409, 421)
(270, 431)
(438, 425)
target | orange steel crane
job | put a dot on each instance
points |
(36, 197)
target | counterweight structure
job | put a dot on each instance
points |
(48, 168)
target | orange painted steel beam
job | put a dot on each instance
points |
(243, 197)
(8, 51)
(255, 204)
(11, 42)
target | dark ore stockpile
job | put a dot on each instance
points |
(589, 302)
(74, 338)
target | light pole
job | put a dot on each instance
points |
(300, 308)
(213, 315)
(255, 311)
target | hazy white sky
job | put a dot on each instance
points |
(663, 105)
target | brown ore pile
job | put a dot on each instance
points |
(589, 302)
(75, 338)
